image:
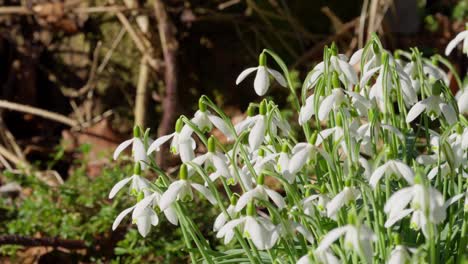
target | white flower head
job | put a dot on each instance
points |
(144, 220)
(347, 195)
(182, 190)
(262, 78)
(392, 167)
(138, 183)
(434, 106)
(138, 148)
(260, 192)
(182, 143)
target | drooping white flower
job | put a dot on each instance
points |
(262, 78)
(315, 202)
(347, 195)
(392, 167)
(259, 229)
(399, 255)
(182, 189)
(434, 106)
(332, 102)
(422, 200)
(139, 184)
(462, 101)
(260, 192)
(462, 36)
(345, 71)
(223, 217)
(205, 121)
(358, 239)
(149, 202)
(144, 220)
(182, 143)
(291, 227)
(138, 148)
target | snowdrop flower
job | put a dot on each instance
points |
(462, 36)
(138, 148)
(212, 159)
(358, 239)
(139, 184)
(434, 106)
(315, 202)
(262, 79)
(392, 167)
(347, 195)
(399, 255)
(260, 192)
(205, 121)
(182, 143)
(308, 109)
(368, 131)
(259, 229)
(422, 200)
(223, 217)
(333, 101)
(462, 101)
(182, 190)
(144, 220)
(346, 72)
(151, 201)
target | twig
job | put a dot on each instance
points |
(109, 53)
(21, 10)
(140, 100)
(38, 112)
(12, 157)
(169, 46)
(41, 242)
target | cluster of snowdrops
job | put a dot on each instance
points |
(376, 173)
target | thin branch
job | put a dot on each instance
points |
(38, 112)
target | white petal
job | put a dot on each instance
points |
(121, 147)
(276, 198)
(356, 57)
(326, 106)
(229, 227)
(205, 192)
(244, 74)
(262, 81)
(257, 233)
(347, 70)
(399, 200)
(278, 77)
(158, 142)
(171, 215)
(170, 195)
(220, 165)
(462, 102)
(322, 135)
(331, 237)
(257, 134)
(121, 216)
(139, 152)
(454, 42)
(118, 186)
(335, 204)
(307, 110)
(449, 113)
(221, 125)
(367, 75)
(404, 170)
(220, 221)
(186, 151)
(397, 216)
(144, 223)
(377, 175)
(415, 111)
(299, 159)
(142, 205)
(244, 199)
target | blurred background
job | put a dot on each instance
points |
(76, 76)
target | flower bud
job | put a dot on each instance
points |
(137, 169)
(284, 148)
(211, 144)
(183, 172)
(136, 131)
(348, 183)
(251, 110)
(437, 88)
(250, 209)
(396, 238)
(313, 137)
(233, 199)
(351, 218)
(261, 152)
(334, 49)
(261, 179)
(263, 108)
(140, 196)
(201, 105)
(179, 125)
(262, 59)
(335, 80)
